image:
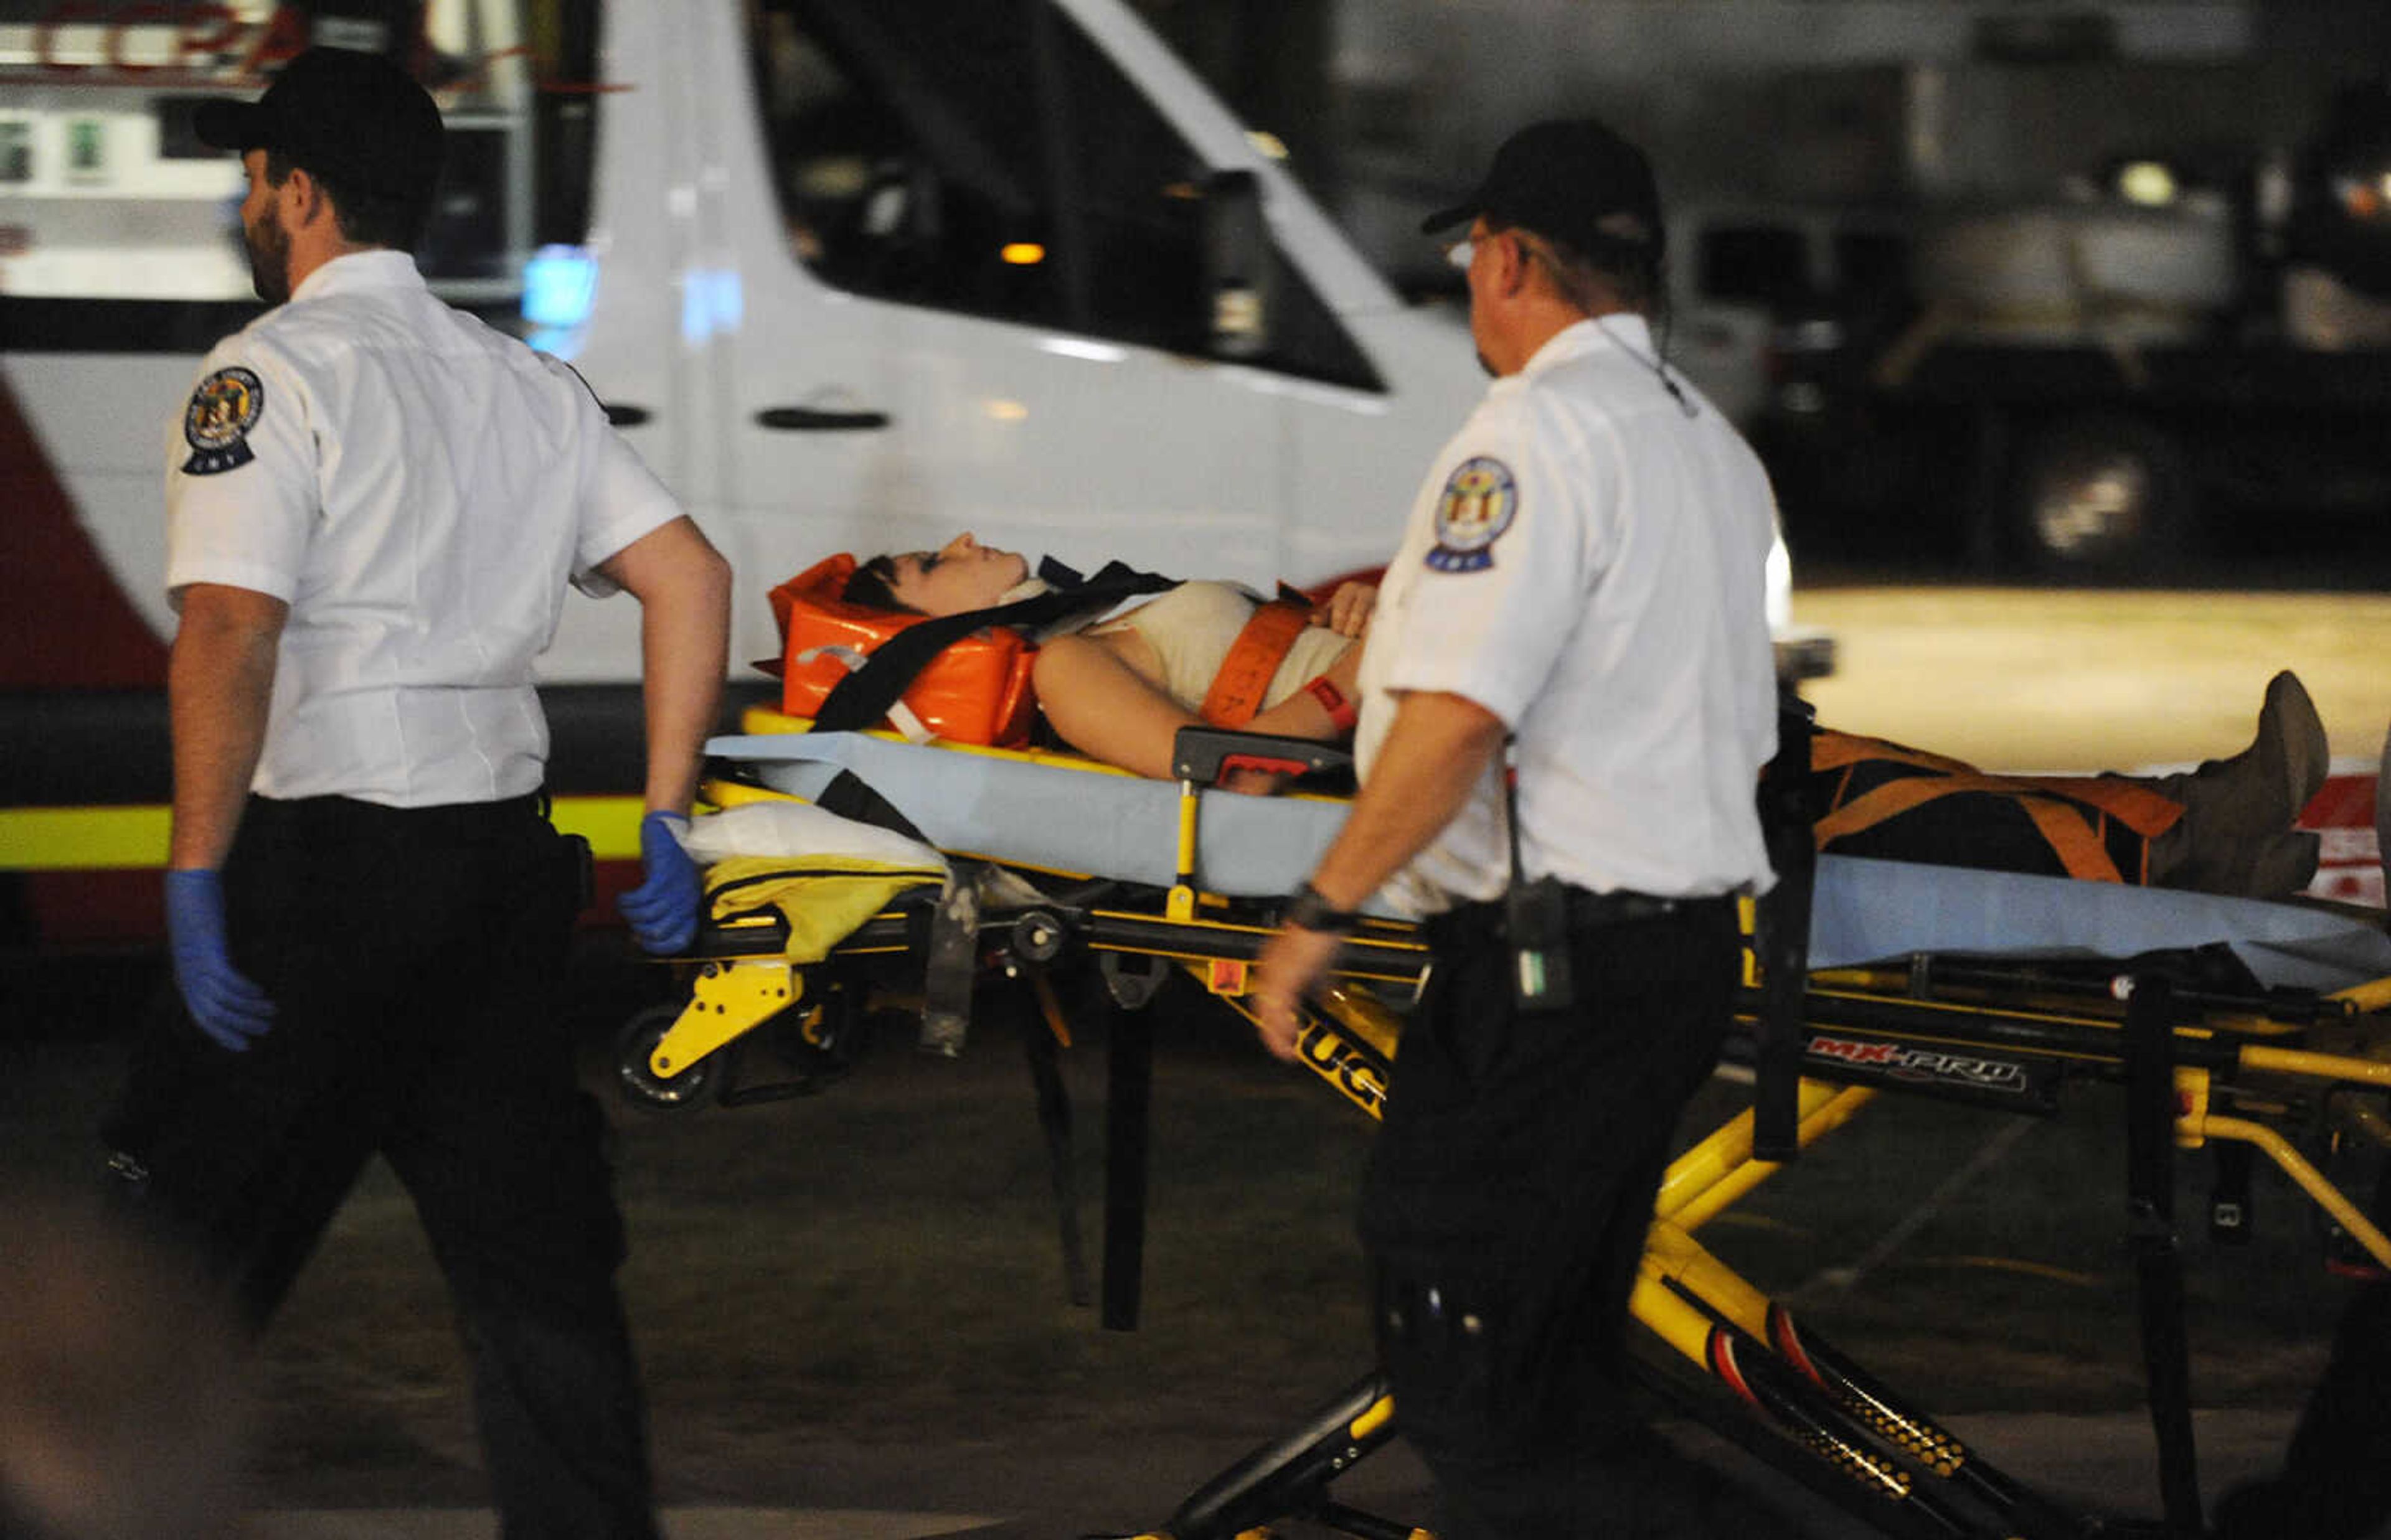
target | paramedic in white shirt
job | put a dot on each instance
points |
(1583, 580)
(375, 505)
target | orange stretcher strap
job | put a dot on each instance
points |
(1833, 750)
(1237, 690)
(2076, 843)
(2071, 837)
(2147, 813)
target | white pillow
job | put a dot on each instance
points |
(799, 829)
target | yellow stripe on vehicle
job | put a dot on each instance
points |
(82, 838)
(134, 837)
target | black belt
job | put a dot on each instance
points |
(1592, 911)
(334, 816)
(1587, 911)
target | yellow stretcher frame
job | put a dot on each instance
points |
(1889, 1463)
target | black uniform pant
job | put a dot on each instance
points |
(2336, 1484)
(1506, 1207)
(413, 957)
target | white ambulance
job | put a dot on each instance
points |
(852, 274)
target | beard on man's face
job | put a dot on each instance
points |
(269, 257)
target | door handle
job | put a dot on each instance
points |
(624, 415)
(816, 419)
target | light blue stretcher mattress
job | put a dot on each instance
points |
(1052, 817)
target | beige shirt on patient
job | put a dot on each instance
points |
(1192, 628)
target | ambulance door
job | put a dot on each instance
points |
(630, 304)
(982, 303)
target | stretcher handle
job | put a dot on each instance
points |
(1205, 754)
(1268, 765)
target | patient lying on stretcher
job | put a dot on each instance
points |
(1119, 690)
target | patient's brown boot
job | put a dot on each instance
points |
(2235, 836)
(2280, 866)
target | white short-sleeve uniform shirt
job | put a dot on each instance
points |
(1588, 561)
(420, 490)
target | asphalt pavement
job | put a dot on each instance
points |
(688, 1523)
(2103, 1463)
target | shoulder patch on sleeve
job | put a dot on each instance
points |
(1479, 502)
(223, 409)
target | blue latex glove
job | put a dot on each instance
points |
(233, 1011)
(662, 910)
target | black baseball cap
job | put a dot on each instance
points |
(1575, 180)
(355, 118)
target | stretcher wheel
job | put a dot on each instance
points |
(1037, 937)
(641, 1085)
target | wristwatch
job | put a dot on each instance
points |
(1307, 910)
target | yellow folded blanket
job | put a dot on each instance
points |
(823, 898)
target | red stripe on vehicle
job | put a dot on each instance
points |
(65, 625)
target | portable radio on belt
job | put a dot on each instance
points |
(1535, 919)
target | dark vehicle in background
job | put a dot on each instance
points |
(2093, 388)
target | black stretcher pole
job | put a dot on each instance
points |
(2151, 1234)
(1129, 1096)
(1055, 1124)
(1781, 936)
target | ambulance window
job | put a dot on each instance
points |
(1140, 202)
(905, 147)
(990, 159)
(111, 207)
